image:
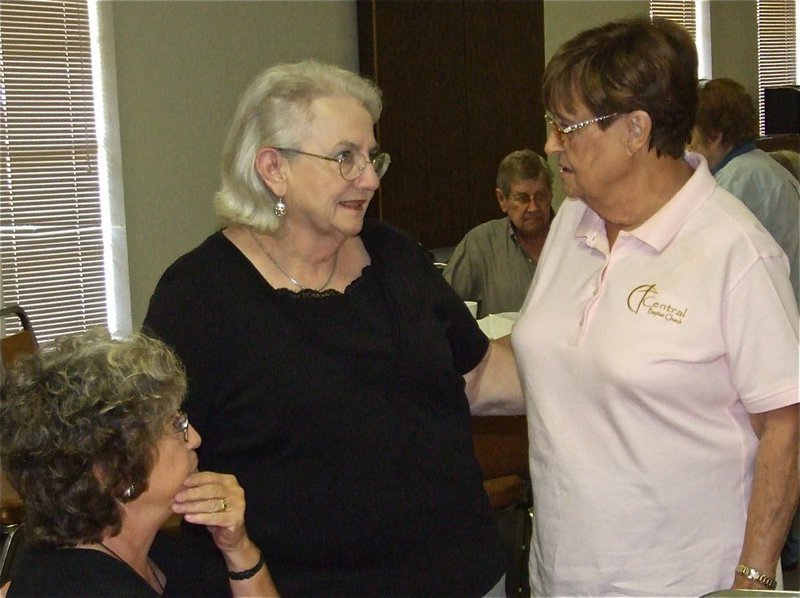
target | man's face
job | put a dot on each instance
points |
(527, 205)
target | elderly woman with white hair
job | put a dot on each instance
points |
(331, 368)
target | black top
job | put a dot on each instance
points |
(68, 572)
(343, 416)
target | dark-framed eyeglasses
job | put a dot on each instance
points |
(181, 424)
(562, 132)
(351, 164)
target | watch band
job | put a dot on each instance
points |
(756, 575)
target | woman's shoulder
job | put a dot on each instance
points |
(74, 572)
(388, 243)
(733, 226)
(377, 231)
(755, 176)
(205, 257)
(204, 274)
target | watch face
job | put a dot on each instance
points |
(755, 575)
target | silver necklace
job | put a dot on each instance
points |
(149, 566)
(289, 276)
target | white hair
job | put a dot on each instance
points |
(271, 112)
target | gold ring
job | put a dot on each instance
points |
(223, 504)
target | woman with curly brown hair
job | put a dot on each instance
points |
(95, 443)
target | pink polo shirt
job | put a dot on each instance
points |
(640, 366)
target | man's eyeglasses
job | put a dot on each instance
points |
(562, 132)
(181, 424)
(351, 164)
(523, 199)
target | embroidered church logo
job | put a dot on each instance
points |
(644, 300)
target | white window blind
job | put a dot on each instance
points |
(694, 15)
(777, 48)
(680, 11)
(51, 237)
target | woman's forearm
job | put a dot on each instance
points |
(774, 496)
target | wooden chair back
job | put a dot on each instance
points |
(12, 347)
(501, 448)
(501, 445)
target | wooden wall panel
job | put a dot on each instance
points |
(461, 84)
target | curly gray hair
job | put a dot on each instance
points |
(87, 401)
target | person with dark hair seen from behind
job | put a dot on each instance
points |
(725, 134)
(96, 445)
(658, 346)
(495, 261)
(331, 367)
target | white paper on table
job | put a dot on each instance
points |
(497, 325)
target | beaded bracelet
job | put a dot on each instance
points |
(248, 573)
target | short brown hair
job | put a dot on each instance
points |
(627, 65)
(725, 107)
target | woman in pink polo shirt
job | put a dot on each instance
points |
(658, 343)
